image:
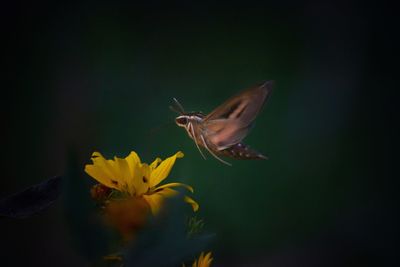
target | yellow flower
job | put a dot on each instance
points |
(129, 175)
(203, 260)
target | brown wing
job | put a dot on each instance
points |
(224, 133)
(229, 123)
(243, 106)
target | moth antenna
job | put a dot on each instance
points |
(195, 140)
(212, 153)
(175, 110)
(180, 107)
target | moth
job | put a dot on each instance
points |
(221, 132)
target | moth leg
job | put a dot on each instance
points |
(195, 140)
(212, 153)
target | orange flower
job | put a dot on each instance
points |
(203, 260)
(127, 215)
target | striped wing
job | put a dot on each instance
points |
(229, 123)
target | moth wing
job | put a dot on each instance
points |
(224, 133)
(229, 123)
(244, 106)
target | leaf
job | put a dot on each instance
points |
(32, 200)
(164, 242)
(87, 231)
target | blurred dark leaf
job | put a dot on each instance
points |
(88, 233)
(32, 200)
(165, 242)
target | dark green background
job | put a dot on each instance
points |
(100, 76)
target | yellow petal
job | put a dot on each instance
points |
(163, 170)
(204, 261)
(146, 171)
(132, 160)
(106, 165)
(139, 180)
(155, 163)
(100, 176)
(188, 187)
(194, 204)
(156, 200)
(103, 171)
(137, 172)
(124, 174)
(208, 259)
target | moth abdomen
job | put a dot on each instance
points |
(241, 151)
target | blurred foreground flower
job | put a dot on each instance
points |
(136, 179)
(203, 260)
(127, 215)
